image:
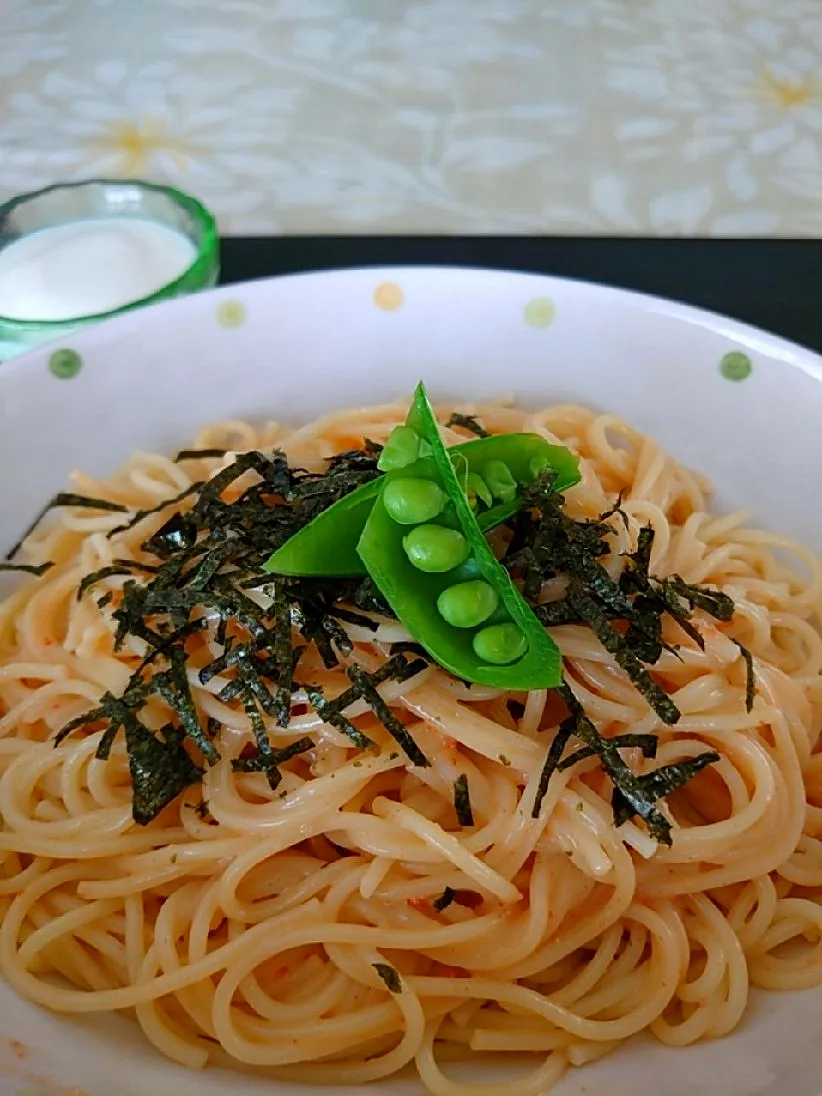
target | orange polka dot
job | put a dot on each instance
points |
(388, 297)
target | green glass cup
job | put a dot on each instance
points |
(97, 199)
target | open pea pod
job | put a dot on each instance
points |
(327, 546)
(425, 571)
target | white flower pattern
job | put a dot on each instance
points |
(594, 116)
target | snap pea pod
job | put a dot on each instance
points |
(327, 546)
(445, 584)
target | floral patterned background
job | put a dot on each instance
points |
(574, 116)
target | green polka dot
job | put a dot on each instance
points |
(230, 313)
(65, 364)
(540, 312)
(735, 366)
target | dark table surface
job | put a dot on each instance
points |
(775, 284)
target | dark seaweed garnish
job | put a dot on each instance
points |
(26, 568)
(659, 783)
(203, 569)
(199, 454)
(268, 760)
(614, 643)
(641, 800)
(404, 647)
(444, 900)
(552, 760)
(65, 498)
(632, 794)
(462, 801)
(750, 677)
(648, 743)
(160, 767)
(140, 515)
(118, 567)
(368, 598)
(160, 770)
(201, 566)
(547, 543)
(626, 617)
(366, 689)
(327, 711)
(390, 975)
(470, 423)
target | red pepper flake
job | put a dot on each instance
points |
(446, 971)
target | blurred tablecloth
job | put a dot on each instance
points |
(662, 117)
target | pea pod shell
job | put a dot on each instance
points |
(413, 595)
(327, 546)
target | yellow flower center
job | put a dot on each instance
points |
(788, 92)
(134, 144)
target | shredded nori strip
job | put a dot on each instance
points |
(546, 543)
(160, 771)
(272, 758)
(178, 532)
(390, 975)
(118, 567)
(397, 668)
(638, 794)
(660, 783)
(200, 563)
(614, 644)
(713, 602)
(329, 714)
(66, 498)
(470, 423)
(750, 676)
(462, 801)
(648, 743)
(640, 797)
(444, 900)
(403, 647)
(363, 683)
(552, 760)
(139, 515)
(198, 454)
(554, 613)
(206, 560)
(37, 569)
(368, 598)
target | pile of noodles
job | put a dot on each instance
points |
(252, 932)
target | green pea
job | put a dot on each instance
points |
(467, 604)
(401, 449)
(500, 643)
(435, 548)
(499, 479)
(477, 489)
(410, 500)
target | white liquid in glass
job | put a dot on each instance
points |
(90, 266)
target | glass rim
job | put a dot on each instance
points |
(204, 256)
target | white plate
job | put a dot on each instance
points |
(296, 347)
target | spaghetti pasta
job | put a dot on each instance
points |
(343, 925)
